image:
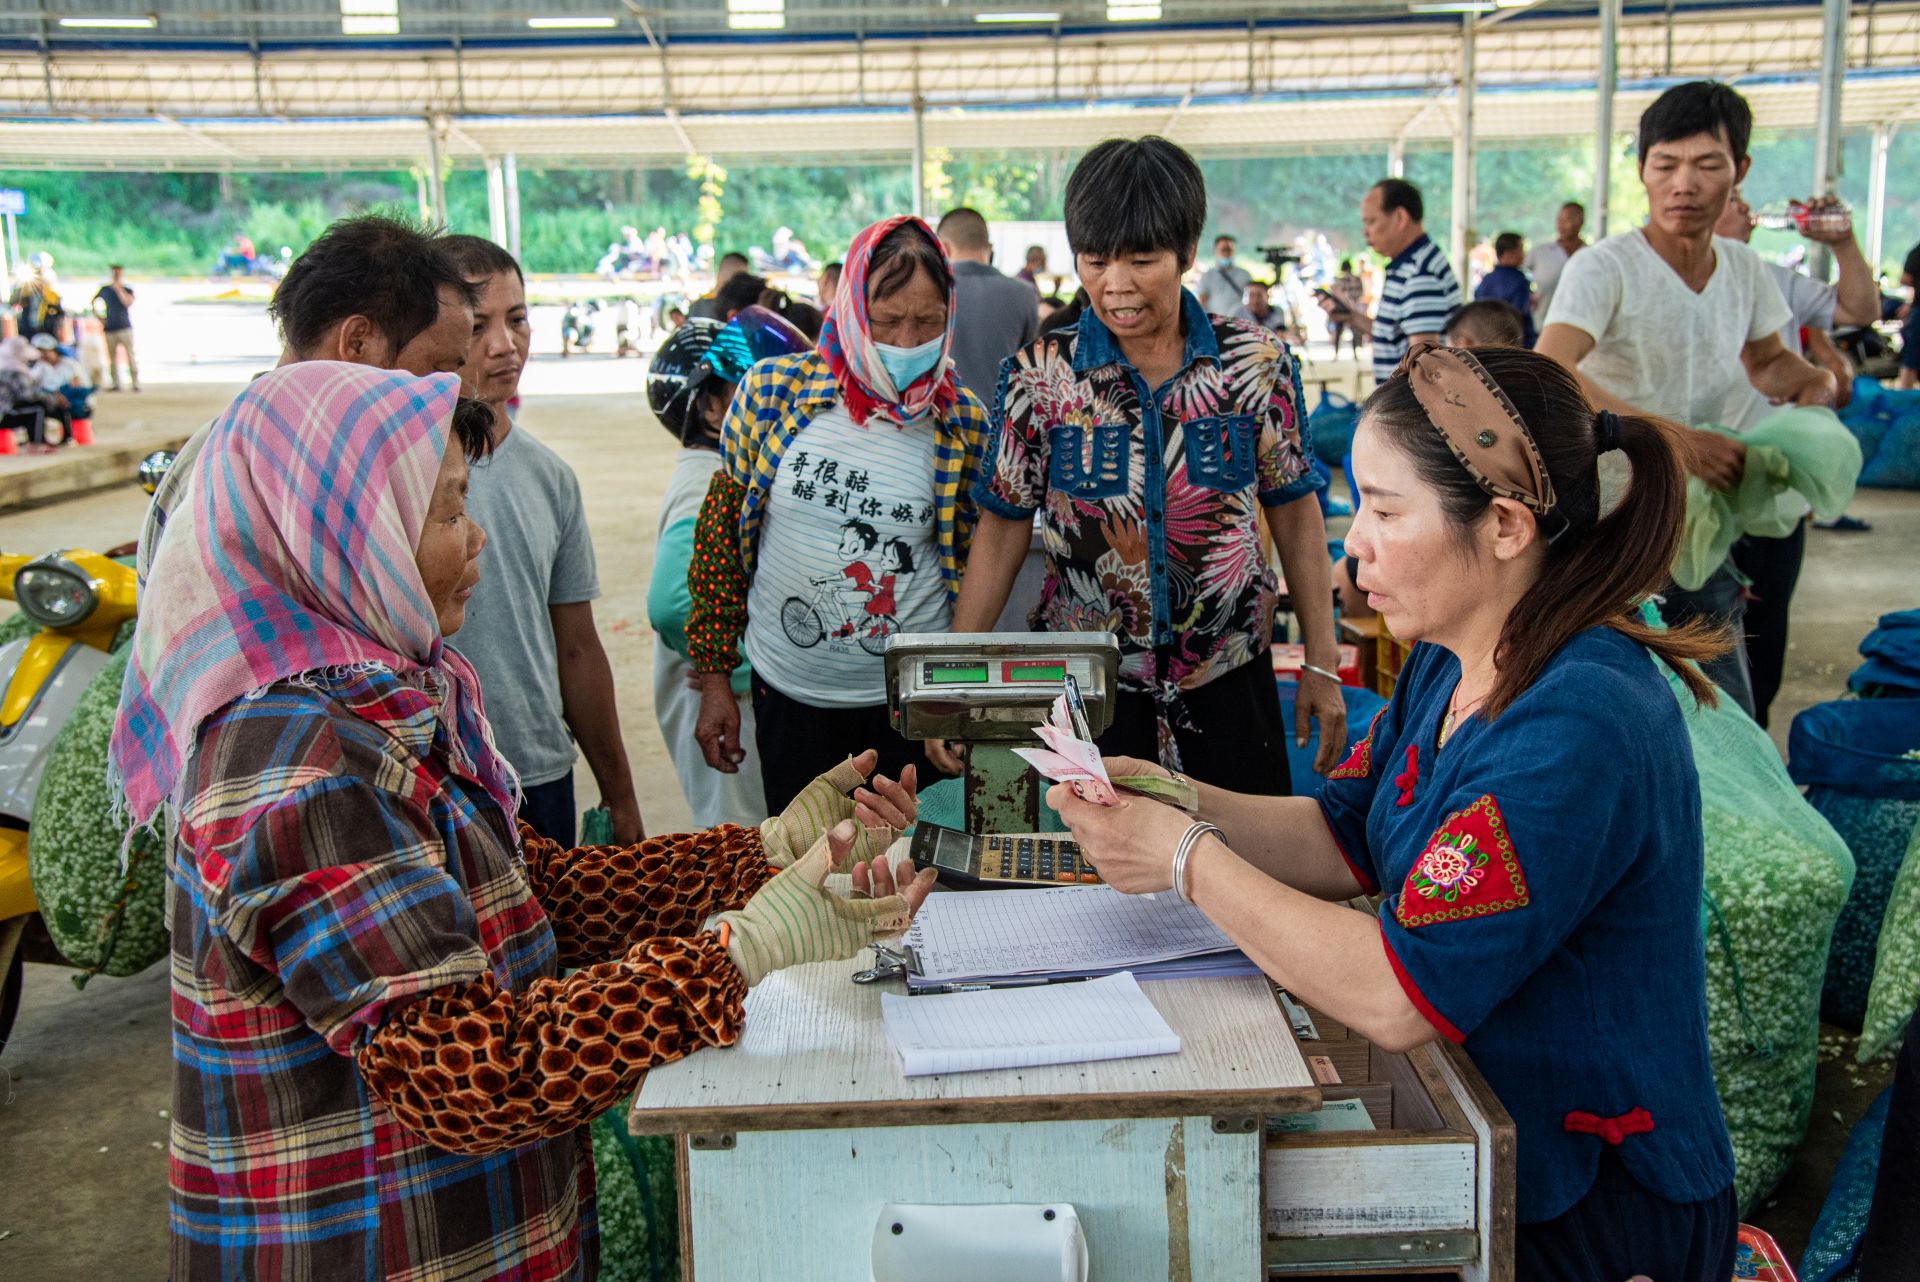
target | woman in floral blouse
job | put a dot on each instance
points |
(1156, 440)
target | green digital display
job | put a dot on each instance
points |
(956, 674)
(1036, 672)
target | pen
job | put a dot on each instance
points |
(1077, 709)
(984, 985)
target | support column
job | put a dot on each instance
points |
(510, 176)
(1397, 159)
(919, 159)
(420, 197)
(1826, 138)
(496, 203)
(1463, 152)
(1603, 125)
(436, 189)
(1877, 195)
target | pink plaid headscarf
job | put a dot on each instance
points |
(846, 340)
(295, 554)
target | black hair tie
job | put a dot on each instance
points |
(1606, 431)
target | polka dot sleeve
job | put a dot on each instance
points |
(474, 1068)
(717, 580)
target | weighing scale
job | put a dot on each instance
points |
(988, 690)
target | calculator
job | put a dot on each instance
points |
(1002, 861)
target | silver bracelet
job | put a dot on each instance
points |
(1320, 672)
(1188, 840)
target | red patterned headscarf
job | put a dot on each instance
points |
(846, 340)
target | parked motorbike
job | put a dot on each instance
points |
(76, 603)
(576, 325)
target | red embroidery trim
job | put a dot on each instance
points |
(1469, 869)
(1405, 780)
(1610, 1129)
(1419, 999)
(1359, 762)
(1359, 874)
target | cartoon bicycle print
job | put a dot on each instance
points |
(836, 609)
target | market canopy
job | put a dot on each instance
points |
(236, 87)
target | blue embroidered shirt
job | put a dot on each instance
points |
(1542, 876)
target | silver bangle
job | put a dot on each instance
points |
(1320, 672)
(1188, 840)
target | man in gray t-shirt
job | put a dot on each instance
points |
(994, 315)
(529, 631)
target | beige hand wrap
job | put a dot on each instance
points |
(794, 919)
(811, 815)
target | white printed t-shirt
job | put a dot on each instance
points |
(847, 556)
(1658, 345)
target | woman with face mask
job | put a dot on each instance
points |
(830, 457)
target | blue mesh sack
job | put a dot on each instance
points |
(1859, 761)
(1332, 422)
(1843, 1216)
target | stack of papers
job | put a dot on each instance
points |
(1067, 1024)
(1010, 937)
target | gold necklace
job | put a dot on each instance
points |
(1446, 722)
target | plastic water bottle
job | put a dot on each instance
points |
(1798, 215)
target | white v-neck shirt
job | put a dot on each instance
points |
(1658, 345)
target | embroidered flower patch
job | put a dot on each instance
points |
(1469, 869)
(1360, 760)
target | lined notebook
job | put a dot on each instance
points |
(1106, 1018)
(1064, 932)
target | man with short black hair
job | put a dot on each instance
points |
(1260, 310)
(1420, 291)
(530, 633)
(994, 315)
(729, 266)
(370, 290)
(1548, 258)
(1506, 283)
(1035, 267)
(1669, 319)
(113, 303)
(1224, 284)
(742, 290)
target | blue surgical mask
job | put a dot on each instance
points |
(904, 364)
(1225, 260)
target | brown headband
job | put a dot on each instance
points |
(1480, 425)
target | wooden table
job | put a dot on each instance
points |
(791, 1142)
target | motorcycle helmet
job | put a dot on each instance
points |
(675, 376)
(754, 334)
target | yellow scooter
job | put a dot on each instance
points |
(79, 601)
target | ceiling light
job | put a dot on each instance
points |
(369, 26)
(1133, 13)
(144, 23)
(1454, 6)
(1016, 17)
(570, 24)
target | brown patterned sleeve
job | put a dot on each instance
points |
(717, 579)
(601, 899)
(472, 1068)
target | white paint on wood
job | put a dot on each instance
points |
(1371, 1188)
(814, 1037)
(800, 1205)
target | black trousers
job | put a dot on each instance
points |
(1619, 1229)
(798, 741)
(549, 810)
(1237, 740)
(1773, 565)
(1891, 1243)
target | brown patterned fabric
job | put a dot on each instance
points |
(477, 1069)
(601, 899)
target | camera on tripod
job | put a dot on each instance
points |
(1278, 256)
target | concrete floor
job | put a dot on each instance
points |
(84, 1083)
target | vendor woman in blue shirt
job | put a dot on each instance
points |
(1526, 808)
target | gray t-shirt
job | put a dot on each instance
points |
(994, 316)
(538, 554)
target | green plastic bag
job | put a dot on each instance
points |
(1896, 969)
(103, 918)
(1776, 876)
(596, 827)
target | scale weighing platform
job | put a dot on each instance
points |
(988, 690)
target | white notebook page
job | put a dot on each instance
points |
(1108, 1018)
(1069, 929)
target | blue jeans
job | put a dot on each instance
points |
(549, 810)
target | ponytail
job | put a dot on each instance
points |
(1597, 569)
(1597, 578)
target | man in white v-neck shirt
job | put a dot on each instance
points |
(1668, 319)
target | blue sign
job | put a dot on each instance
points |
(12, 201)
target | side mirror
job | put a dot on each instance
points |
(154, 468)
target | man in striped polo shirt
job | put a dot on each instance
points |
(1420, 291)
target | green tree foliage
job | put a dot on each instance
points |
(177, 223)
